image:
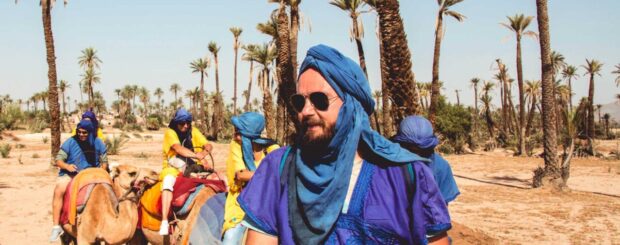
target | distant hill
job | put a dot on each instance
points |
(613, 109)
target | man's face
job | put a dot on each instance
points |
(82, 134)
(183, 126)
(317, 125)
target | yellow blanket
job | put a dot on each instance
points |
(151, 219)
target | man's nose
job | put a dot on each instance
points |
(308, 108)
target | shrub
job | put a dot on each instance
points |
(5, 149)
(132, 127)
(10, 116)
(453, 123)
(152, 123)
(37, 125)
(115, 144)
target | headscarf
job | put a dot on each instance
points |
(318, 188)
(93, 118)
(418, 131)
(182, 115)
(249, 125)
(87, 147)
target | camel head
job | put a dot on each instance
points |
(131, 178)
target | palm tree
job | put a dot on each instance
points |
(218, 112)
(143, 93)
(249, 49)
(175, 88)
(400, 77)
(159, 93)
(557, 60)
(264, 55)
(598, 109)
(199, 66)
(518, 24)
(593, 67)
(89, 61)
(294, 30)
(532, 91)
(236, 31)
(444, 9)
(474, 83)
(617, 73)
(357, 29)
(551, 173)
(63, 85)
(569, 73)
(606, 117)
(89, 78)
(285, 75)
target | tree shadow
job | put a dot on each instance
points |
(494, 183)
(513, 179)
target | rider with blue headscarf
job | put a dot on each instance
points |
(341, 182)
(90, 116)
(416, 134)
(81, 151)
(247, 149)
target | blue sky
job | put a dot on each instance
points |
(151, 43)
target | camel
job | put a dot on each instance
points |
(184, 224)
(100, 221)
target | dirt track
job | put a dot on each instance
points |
(496, 204)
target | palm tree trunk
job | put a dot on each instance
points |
(521, 125)
(358, 42)
(287, 85)
(293, 37)
(551, 173)
(591, 134)
(201, 99)
(385, 93)
(435, 82)
(235, 83)
(401, 80)
(268, 107)
(570, 93)
(530, 116)
(247, 97)
(476, 110)
(51, 75)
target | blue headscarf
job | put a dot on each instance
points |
(418, 131)
(182, 115)
(249, 125)
(318, 189)
(93, 118)
(90, 127)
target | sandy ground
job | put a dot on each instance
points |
(496, 205)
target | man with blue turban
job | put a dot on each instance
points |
(90, 116)
(247, 149)
(415, 134)
(341, 182)
(81, 151)
(183, 144)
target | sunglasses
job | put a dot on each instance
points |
(319, 100)
(82, 132)
(184, 123)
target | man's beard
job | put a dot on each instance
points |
(317, 142)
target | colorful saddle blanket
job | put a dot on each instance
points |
(185, 191)
(79, 189)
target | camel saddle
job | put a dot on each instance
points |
(184, 193)
(79, 189)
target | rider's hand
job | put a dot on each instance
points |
(70, 167)
(201, 155)
(208, 148)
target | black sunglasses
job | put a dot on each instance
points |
(319, 100)
(82, 132)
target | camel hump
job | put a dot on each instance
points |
(78, 194)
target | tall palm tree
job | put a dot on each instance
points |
(159, 93)
(532, 91)
(606, 117)
(598, 109)
(518, 24)
(249, 49)
(357, 29)
(89, 78)
(200, 66)
(551, 173)
(175, 88)
(89, 61)
(264, 55)
(557, 60)
(144, 95)
(218, 112)
(593, 67)
(569, 73)
(617, 73)
(444, 9)
(285, 75)
(397, 57)
(474, 83)
(236, 31)
(63, 85)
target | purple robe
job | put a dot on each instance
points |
(384, 207)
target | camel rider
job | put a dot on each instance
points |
(415, 134)
(81, 151)
(247, 149)
(182, 144)
(90, 115)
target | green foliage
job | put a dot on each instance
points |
(5, 149)
(115, 144)
(10, 116)
(153, 122)
(454, 123)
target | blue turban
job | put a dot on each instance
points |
(182, 115)
(317, 193)
(249, 125)
(90, 127)
(418, 131)
(93, 118)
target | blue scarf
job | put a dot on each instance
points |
(249, 125)
(93, 118)
(318, 189)
(418, 131)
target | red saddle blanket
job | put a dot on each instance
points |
(183, 189)
(78, 192)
